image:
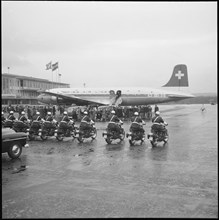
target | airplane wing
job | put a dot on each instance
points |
(78, 100)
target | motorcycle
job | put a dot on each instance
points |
(65, 130)
(8, 123)
(48, 129)
(81, 135)
(33, 131)
(135, 136)
(3, 122)
(159, 136)
(111, 134)
(20, 126)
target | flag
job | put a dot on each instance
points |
(49, 65)
(55, 66)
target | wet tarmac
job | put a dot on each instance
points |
(96, 180)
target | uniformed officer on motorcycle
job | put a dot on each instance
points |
(67, 119)
(86, 122)
(158, 123)
(23, 118)
(51, 119)
(3, 117)
(37, 117)
(11, 116)
(137, 123)
(115, 123)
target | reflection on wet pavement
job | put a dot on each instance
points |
(95, 179)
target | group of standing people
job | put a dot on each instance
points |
(115, 120)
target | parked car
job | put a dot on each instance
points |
(12, 142)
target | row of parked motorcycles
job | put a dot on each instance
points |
(135, 137)
(45, 129)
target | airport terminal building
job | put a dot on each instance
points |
(17, 89)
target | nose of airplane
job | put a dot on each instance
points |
(40, 98)
(190, 95)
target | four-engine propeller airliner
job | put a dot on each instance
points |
(121, 96)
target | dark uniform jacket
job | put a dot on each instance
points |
(85, 122)
(157, 120)
(114, 119)
(156, 123)
(37, 118)
(136, 124)
(22, 118)
(65, 118)
(113, 123)
(11, 117)
(49, 118)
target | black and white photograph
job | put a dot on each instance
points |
(109, 109)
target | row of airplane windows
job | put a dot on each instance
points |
(98, 92)
(142, 94)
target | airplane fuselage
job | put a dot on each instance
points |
(129, 97)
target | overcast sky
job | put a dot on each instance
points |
(105, 44)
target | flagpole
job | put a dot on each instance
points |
(52, 78)
(58, 73)
(56, 77)
(59, 77)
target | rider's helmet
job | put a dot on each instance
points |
(113, 112)
(157, 113)
(65, 113)
(37, 113)
(23, 113)
(85, 112)
(136, 113)
(11, 112)
(48, 113)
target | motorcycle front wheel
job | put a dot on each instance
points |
(59, 137)
(131, 142)
(44, 137)
(80, 139)
(95, 134)
(122, 135)
(108, 140)
(166, 139)
(31, 136)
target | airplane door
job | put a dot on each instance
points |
(112, 97)
(118, 98)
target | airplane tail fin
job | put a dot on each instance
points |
(179, 77)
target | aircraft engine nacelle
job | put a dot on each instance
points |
(48, 99)
(57, 100)
(53, 98)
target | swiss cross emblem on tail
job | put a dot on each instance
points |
(179, 77)
(179, 74)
